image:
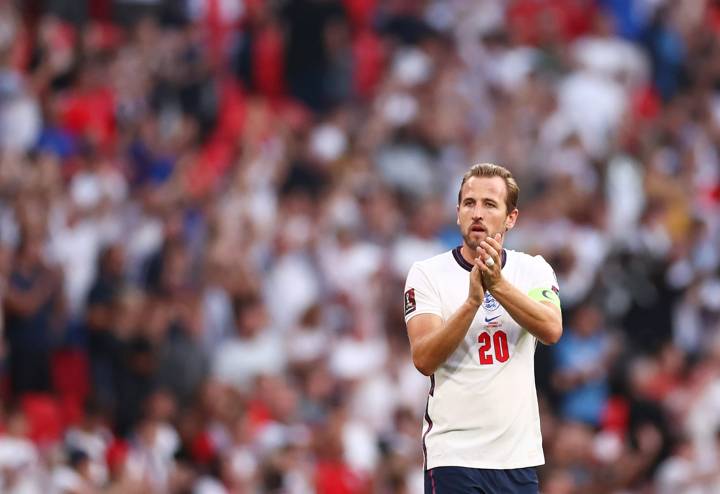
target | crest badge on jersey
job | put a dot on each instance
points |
(489, 302)
(410, 304)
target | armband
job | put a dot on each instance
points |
(545, 295)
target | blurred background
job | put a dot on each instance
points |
(208, 209)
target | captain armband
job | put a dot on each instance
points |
(545, 295)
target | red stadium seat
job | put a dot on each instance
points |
(70, 374)
(44, 417)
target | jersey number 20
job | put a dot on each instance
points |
(498, 343)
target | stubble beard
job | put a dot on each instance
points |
(471, 243)
(474, 243)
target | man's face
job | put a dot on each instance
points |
(252, 320)
(33, 250)
(482, 212)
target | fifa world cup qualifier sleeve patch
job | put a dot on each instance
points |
(410, 304)
(545, 295)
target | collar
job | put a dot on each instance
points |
(466, 265)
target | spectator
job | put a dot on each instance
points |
(255, 350)
(682, 474)
(583, 359)
(20, 467)
(103, 302)
(32, 310)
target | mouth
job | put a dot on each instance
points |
(478, 229)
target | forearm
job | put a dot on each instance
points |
(24, 303)
(541, 320)
(432, 350)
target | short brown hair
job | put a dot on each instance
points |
(492, 170)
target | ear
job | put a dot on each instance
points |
(457, 215)
(511, 219)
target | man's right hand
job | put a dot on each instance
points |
(476, 292)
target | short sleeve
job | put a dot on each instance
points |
(421, 297)
(544, 285)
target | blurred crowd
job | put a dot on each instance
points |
(208, 209)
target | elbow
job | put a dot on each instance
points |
(553, 335)
(425, 368)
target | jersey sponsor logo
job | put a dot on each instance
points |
(489, 302)
(410, 304)
(492, 322)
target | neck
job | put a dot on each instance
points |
(467, 253)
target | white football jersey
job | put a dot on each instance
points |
(482, 411)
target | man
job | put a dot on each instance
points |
(474, 316)
(33, 310)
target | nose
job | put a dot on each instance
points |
(477, 213)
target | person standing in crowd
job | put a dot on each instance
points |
(32, 306)
(474, 316)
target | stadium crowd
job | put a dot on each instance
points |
(208, 209)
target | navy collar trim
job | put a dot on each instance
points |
(466, 265)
